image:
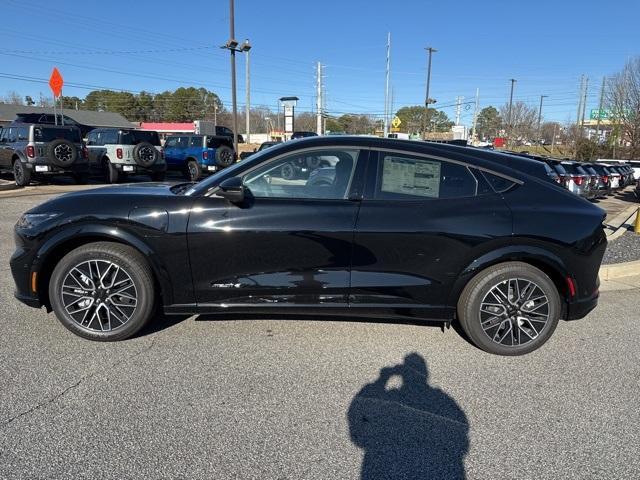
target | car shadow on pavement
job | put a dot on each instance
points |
(159, 322)
(407, 428)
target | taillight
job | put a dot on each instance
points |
(205, 155)
(85, 152)
(119, 153)
(578, 180)
(605, 179)
(31, 151)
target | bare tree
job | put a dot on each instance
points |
(13, 98)
(623, 101)
(522, 126)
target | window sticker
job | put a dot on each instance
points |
(411, 176)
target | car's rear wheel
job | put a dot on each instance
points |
(192, 171)
(103, 291)
(509, 309)
(111, 173)
(21, 174)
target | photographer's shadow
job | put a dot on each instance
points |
(408, 429)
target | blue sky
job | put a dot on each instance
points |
(156, 46)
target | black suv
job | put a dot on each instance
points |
(36, 151)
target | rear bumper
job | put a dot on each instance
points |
(135, 168)
(51, 169)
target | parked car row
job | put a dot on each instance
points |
(36, 151)
(591, 180)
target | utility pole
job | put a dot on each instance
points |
(386, 87)
(584, 101)
(604, 81)
(509, 126)
(540, 115)
(247, 107)
(458, 109)
(319, 99)
(232, 36)
(215, 114)
(430, 51)
(475, 117)
(579, 114)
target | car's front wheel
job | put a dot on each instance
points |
(103, 291)
(509, 309)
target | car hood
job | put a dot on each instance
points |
(152, 188)
(104, 198)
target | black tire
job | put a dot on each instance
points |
(21, 174)
(490, 330)
(145, 154)
(111, 173)
(132, 265)
(62, 152)
(224, 156)
(192, 171)
(158, 176)
(288, 171)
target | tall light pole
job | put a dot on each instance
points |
(513, 82)
(427, 100)
(232, 46)
(540, 115)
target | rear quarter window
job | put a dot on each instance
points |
(498, 183)
(49, 134)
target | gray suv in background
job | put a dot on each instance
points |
(34, 151)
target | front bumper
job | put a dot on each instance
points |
(21, 269)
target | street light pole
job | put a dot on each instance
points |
(426, 97)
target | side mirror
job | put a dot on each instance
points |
(232, 189)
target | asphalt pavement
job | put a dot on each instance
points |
(313, 399)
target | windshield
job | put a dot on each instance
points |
(133, 137)
(48, 134)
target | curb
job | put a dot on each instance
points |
(5, 187)
(619, 225)
(619, 270)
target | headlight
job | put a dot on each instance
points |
(30, 220)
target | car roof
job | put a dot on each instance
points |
(497, 161)
(16, 123)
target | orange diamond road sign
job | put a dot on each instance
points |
(56, 82)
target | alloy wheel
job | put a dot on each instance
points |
(514, 312)
(63, 152)
(99, 295)
(146, 154)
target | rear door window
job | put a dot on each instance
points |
(409, 178)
